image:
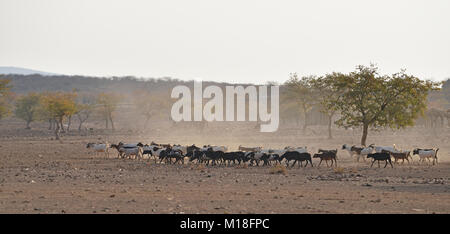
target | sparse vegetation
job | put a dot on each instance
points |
(4, 94)
(278, 169)
(339, 170)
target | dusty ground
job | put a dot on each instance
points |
(39, 175)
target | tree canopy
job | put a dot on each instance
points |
(27, 108)
(109, 103)
(368, 99)
(301, 91)
(59, 105)
(4, 94)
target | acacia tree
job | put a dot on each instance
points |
(27, 108)
(109, 103)
(370, 100)
(4, 94)
(328, 95)
(301, 91)
(85, 107)
(149, 105)
(59, 105)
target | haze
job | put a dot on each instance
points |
(229, 41)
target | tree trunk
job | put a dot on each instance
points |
(364, 136)
(112, 123)
(69, 123)
(57, 129)
(305, 124)
(61, 126)
(50, 124)
(28, 125)
(330, 120)
(81, 122)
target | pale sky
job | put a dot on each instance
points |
(228, 40)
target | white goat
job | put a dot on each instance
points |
(99, 148)
(379, 149)
(298, 149)
(128, 152)
(182, 149)
(426, 154)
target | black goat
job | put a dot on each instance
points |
(296, 156)
(380, 157)
(229, 157)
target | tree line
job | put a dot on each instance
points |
(361, 98)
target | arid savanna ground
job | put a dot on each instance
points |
(41, 175)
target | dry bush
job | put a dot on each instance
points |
(339, 170)
(278, 169)
(353, 170)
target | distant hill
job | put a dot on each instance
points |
(23, 71)
(127, 84)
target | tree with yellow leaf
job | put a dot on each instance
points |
(4, 94)
(59, 105)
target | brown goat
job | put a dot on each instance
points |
(327, 156)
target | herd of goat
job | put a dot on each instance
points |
(215, 155)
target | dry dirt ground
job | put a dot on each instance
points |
(40, 175)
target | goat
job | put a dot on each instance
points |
(215, 148)
(99, 148)
(130, 145)
(380, 157)
(298, 149)
(168, 154)
(364, 152)
(182, 149)
(327, 156)
(229, 157)
(296, 156)
(352, 150)
(379, 149)
(206, 156)
(273, 157)
(426, 154)
(195, 155)
(399, 155)
(156, 152)
(191, 148)
(128, 152)
(160, 145)
(213, 156)
(326, 151)
(257, 157)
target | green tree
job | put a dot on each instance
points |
(27, 108)
(301, 91)
(59, 105)
(370, 100)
